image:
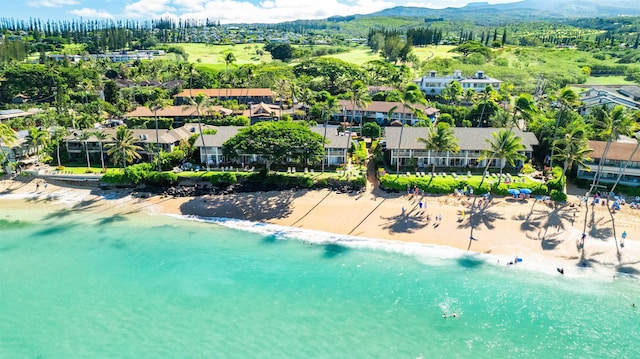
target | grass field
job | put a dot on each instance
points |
(608, 80)
(214, 54)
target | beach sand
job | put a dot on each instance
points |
(542, 234)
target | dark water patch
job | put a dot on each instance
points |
(8, 224)
(470, 262)
(7, 248)
(118, 244)
(332, 250)
(51, 230)
(113, 219)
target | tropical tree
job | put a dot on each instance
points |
(572, 148)
(411, 96)
(101, 136)
(330, 106)
(155, 106)
(613, 123)
(626, 164)
(506, 147)
(282, 90)
(275, 142)
(123, 147)
(440, 139)
(84, 137)
(567, 98)
(7, 137)
(201, 101)
(57, 136)
(359, 97)
(37, 138)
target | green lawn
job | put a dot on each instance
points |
(214, 54)
(608, 80)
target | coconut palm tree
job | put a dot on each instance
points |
(101, 136)
(567, 98)
(330, 107)
(123, 147)
(359, 97)
(229, 59)
(440, 139)
(155, 106)
(282, 89)
(37, 138)
(84, 137)
(572, 148)
(57, 136)
(201, 101)
(7, 137)
(622, 171)
(524, 106)
(614, 122)
(506, 147)
(411, 96)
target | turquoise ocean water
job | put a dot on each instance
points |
(81, 284)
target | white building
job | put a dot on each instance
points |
(432, 84)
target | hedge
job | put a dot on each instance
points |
(447, 185)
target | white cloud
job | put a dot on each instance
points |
(147, 8)
(91, 13)
(273, 11)
(51, 3)
(190, 5)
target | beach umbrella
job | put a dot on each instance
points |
(525, 191)
(513, 191)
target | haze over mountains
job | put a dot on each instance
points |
(527, 9)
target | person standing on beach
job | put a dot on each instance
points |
(45, 185)
(624, 236)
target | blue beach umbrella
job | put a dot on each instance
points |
(525, 191)
(513, 191)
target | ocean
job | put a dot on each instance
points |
(82, 283)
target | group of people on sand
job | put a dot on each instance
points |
(44, 185)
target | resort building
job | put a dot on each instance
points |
(6, 115)
(145, 138)
(242, 95)
(379, 111)
(471, 140)
(335, 149)
(432, 84)
(180, 114)
(617, 157)
(597, 97)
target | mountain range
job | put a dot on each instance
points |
(526, 9)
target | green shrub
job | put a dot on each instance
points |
(558, 196)
(223, 178)
(113, 177)
(137, 173)
(161, 178)
(527, 169)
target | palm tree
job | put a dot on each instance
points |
(229, 58)
(506, 147)
(440, 139)
(58, 135)
(360, 98)
(8, 137)
(330, 107)
(526, 107)
(566, 99)
(622, 171)
(281, 89)
(84, 137)
(123, 147)
(201, 101)
(572, 148)
(101, 136)
(37, 138)
(410, 96)
(155, 106)
(614, 123)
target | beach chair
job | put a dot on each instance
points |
(423, 174)
(469, 173)
(408, 174)
(306, 170)
(288, 169)
(293, 170)
(417, 174)
(312, 171)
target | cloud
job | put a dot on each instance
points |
(91, 13)
(147, 8)
(51, 3)
(273, 11)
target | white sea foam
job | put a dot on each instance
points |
(429, 254)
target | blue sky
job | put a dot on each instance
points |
(226, 11)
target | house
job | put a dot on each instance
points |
(597, 97)
(13, 113)
(616, 159)
(179, 114)
(633, 92)
(242, 95)
(262, 112)
(471, 140)
(379, 111)
(335, 148)
(432, 84)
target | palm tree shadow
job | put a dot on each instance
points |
(404, 223)
(479, 216)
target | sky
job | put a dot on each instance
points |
(225, 11)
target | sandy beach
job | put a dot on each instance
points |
(542, 234)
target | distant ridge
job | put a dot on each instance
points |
(522, 9)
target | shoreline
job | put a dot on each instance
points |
(544, 236)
